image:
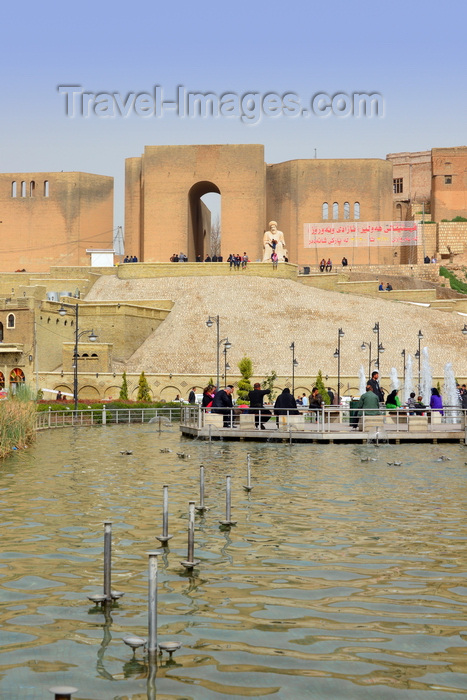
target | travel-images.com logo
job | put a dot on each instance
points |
(249, 107)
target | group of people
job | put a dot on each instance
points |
(370, 401)
(387, 289)
(325, 266)
(221, 402)
(178, 258)
(236, 261)
(209, 258)
(130, 258)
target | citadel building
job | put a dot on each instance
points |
(51, 222)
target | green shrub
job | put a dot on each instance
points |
(322, 389)
(454, 282)
(124, 388)
(143, 389)
(244, 385)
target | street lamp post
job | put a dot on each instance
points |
(91, 336)
(379, 345)
(340, 334)
(403, 355)
(363, 346)
(226, 364)
(210, 322)
(294, 364)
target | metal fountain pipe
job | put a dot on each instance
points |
(248, 471)
(227, 499)
(201, 486)
(108, 560)
(152, 603)
(191, 531)
(165, 512)
(63, 692)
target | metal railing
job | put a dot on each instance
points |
(105, 416)
(327, 419)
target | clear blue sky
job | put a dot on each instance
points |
(413, 53)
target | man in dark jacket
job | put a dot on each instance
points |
(222, 403)
(374, 383)
(192, 396)
(262, 415)
(285, 405)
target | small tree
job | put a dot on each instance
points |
(322, 389)
(124, 388)
(268, 383)
(244, 385)
(143, 389)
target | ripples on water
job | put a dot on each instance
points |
(342, 578)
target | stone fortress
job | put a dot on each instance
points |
(151, 315)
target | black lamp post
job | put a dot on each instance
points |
(363, 346)
(227, 345)
(91, 336)
(294, 364)
(403, 368)
(379, 345)
(340, 334)
(210, 322)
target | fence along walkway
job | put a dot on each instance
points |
(105, 416)
(329, 423)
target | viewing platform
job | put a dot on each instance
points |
(329, 424)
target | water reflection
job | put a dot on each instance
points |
(341, 579)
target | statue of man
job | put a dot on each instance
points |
(273, 240)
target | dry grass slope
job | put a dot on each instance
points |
(261, 317)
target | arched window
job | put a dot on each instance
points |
(1, 332)
(16, 377)
(325, 213)
(46, 188)
(94, 354)
(85, 354)
(356, 210)
(23, 189)
(10, 321)
(13, 188)
(346, 210)
(398, 212)
(2, 380)
(32, 187)
(335, 211)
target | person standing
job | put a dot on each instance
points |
(223, 404)
(304, 401)
(192, 396)
(375, 387)
(256, 397)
